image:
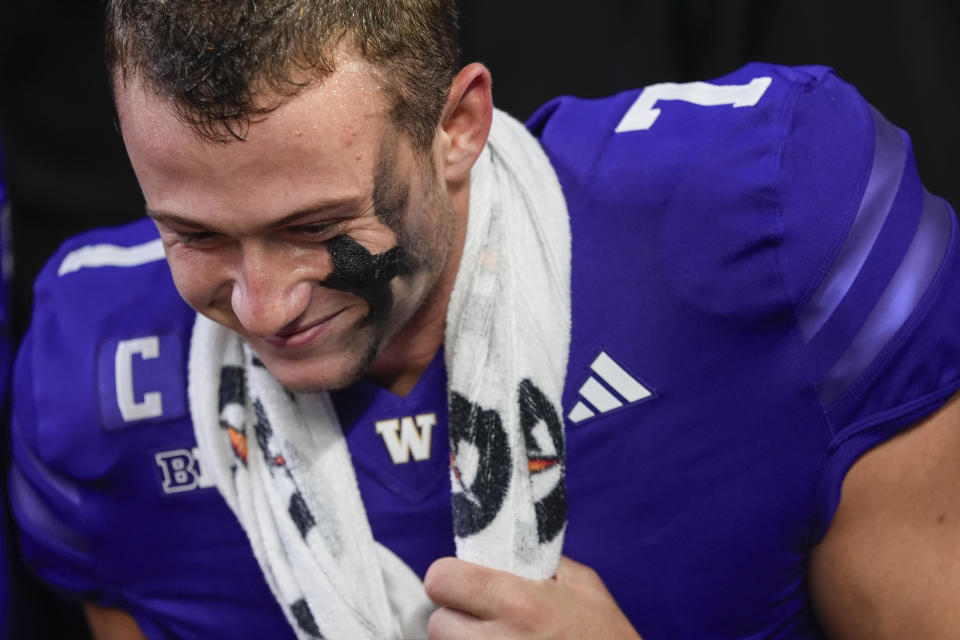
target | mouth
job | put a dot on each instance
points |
(301, 334)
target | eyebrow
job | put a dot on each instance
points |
(167, 217)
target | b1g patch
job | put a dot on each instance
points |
(180, 471)
(141, 380)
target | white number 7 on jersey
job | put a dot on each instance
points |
(642, 114)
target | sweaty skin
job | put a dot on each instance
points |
(355, 269)
(390, 197)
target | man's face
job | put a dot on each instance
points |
(317, 238)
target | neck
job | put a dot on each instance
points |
(408, 355)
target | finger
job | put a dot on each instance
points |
(479, 591)
(450, 624)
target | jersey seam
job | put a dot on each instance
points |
(786, 124)
(891, 415)
(788, 120)
(863, 177)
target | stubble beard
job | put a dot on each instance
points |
(373, 333)
(429, 254)
(427, 250)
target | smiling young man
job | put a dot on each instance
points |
(318, 239)
(380, 273)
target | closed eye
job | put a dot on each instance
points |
(195, 237)
(315, 231)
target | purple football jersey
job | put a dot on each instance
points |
(5, 362)
(759, 288)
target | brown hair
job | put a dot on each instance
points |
(218, 59)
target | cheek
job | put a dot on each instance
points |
(196, 288)
(198, 277)
(206, 278)
(429, 232)
(370, 233)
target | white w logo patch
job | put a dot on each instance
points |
(408, 436)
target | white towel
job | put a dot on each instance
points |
(281, 461)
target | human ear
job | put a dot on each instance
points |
(465, 122)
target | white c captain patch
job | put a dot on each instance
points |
(141, 380)
(131, 409)
(408, 436)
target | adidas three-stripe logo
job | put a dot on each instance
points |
(609, 387)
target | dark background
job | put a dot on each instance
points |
(66, 169)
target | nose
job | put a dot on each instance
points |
(268, 294)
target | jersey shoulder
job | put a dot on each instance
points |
(769, 190)
(776, 200)
(728, 134)
(106, 349)
(707, 176)
(100, 428)
(671, 128)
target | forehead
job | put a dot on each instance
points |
(325, 140)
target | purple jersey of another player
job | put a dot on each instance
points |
(6, 354)
(759, 296)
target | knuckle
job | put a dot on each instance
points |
(436, 578)
(521, 607)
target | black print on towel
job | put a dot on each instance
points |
(304, 617)
(233, 383)
(264, 433)
(475, 506)
(300, 514)
(551, 508)
(358, 271)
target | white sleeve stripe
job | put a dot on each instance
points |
(903, 295)
(111, 255)
(877, 202)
